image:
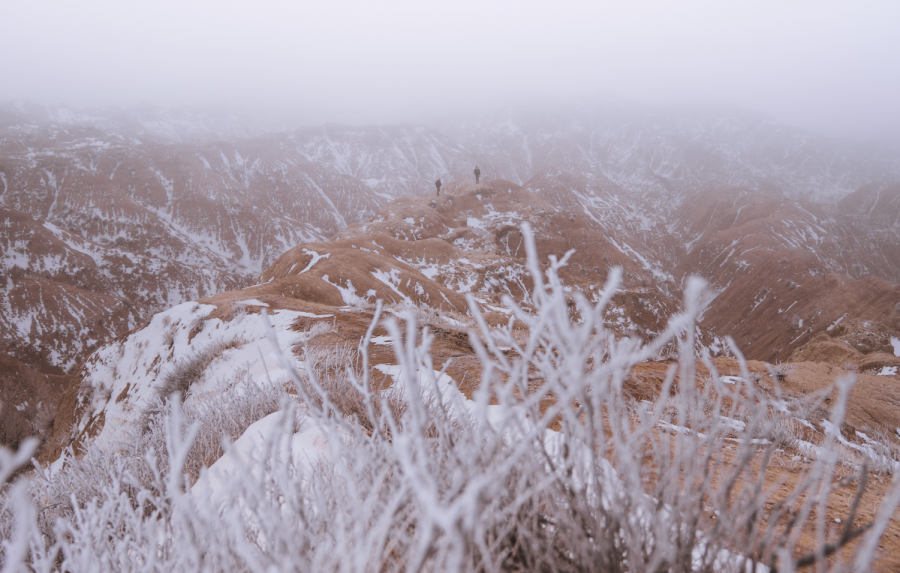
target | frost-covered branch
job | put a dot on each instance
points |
(550, 464)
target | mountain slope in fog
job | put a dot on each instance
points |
(667, 152)
(214, 201)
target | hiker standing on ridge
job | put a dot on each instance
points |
(477, 174)
(438, 185)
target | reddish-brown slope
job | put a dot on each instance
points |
(433, 251)
(348, 274)
(28, 400)
(228, 207)
(61, 295)
(770, 318)
(782, 269)
(877, 203)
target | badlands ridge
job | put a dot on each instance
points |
(141, 247)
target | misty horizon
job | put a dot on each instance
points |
(819, 67)
(268, 121)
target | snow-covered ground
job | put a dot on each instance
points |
(415, 474)
(126, 375)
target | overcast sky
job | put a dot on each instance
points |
(832, 67)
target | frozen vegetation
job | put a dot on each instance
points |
(550, 466)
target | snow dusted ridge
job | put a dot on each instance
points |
(396, 468)
(125, 376)
(394, 160)
(62, 295)
(434, 252)
(664, 154)
(144, 122)
(213, 199)
(107, 221)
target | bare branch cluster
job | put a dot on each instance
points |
(550, 466)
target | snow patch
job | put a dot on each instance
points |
(838, 321)
(316, 257)
(303, 449)
(348, 293)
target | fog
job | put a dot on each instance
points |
(830, 67)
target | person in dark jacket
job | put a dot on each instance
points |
(477, 174)
(438, 185)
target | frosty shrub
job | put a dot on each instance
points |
(185, 372)
(427, 316)
(189, 370)
(14, 425)
(319, 328)
(551, 466)
(169, 334)
(328, 380)
(142, 455)
(222, 415)
(780, 371)
(16, 514)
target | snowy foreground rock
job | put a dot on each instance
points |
(125, 376)
(333, 462)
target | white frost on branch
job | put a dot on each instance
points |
(549, 464)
